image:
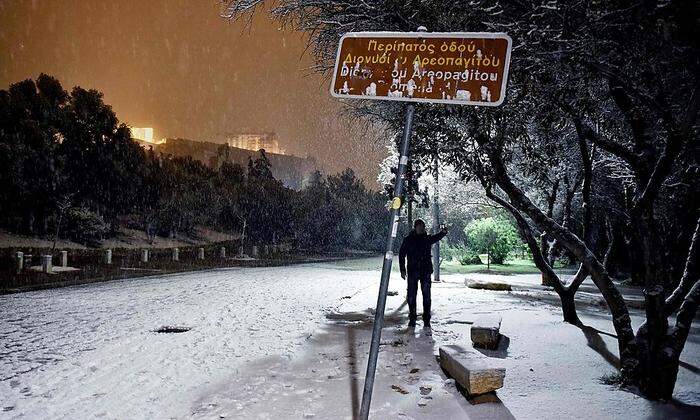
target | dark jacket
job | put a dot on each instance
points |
(417, 248)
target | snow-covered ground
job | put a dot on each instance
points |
(263, 345)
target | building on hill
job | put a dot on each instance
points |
(253, 141)
(144, 135)
(293, 171)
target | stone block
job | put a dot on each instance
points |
(485, 331)
(475, 372)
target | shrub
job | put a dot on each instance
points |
(613, 378)
(496, 237)
(450, 252)
(84, 226)
(470, 258)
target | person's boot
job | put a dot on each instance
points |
(426, 323)
(411, 323)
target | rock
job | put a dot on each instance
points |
(477, 373)
(423, 402)
(392, 293)
(397, 343)
(425, 390)
(399, 389)
(485, 331)
(487, 285)
(414, 370)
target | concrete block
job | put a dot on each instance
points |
(485, 331)
(487, 285)
(477, 373)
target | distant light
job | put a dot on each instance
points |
(145, 134)
(255, 142)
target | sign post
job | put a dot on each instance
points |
(448, 68)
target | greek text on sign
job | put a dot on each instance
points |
(452, 68)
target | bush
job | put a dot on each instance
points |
(470, 258)
(460, 253)
(450, 252)
(496, 237)
(84, 226)
(613, 378)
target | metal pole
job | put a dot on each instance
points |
(386, 267)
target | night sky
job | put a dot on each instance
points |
(179, 67)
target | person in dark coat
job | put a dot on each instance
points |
(416, 248)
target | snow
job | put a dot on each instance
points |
(93, 346)
(262, 346)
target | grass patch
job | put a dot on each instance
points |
(613, 379)
(514, 266)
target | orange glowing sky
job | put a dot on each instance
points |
(178, 67)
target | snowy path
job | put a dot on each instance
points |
(261, 346)
(90, 350)
(553, 368)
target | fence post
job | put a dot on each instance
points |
(108, 256)
(144, 255)
(176, 254)
(19, 259)
(254, 251)
(64, 259)
(222, 252)
(200, 254)
(47, 263)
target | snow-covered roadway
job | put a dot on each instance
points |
(91, 351)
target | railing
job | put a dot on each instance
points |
(92, 264)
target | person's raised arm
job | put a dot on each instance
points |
(434, 238)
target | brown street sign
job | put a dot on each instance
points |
(450, 68)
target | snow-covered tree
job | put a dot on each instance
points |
(616, 82)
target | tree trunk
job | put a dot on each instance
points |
(29, 222)
(544, 239)
(568, 306)
(651, 340)
(660, 349)
(436, 224)
(544, 250)
(58, 231)
(657, 372)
